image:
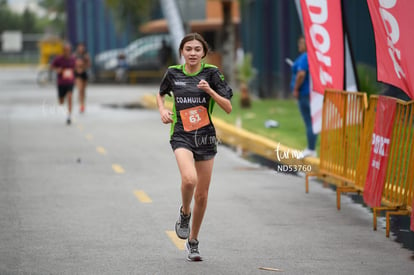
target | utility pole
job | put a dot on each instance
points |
(228, 39)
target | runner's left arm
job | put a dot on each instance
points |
(223, 102)
(88, 61)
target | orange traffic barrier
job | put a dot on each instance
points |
(365, 149)
(342, 127)
(398, 192)
(398, 189)
(364, 153)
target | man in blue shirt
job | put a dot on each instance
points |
(301, 91)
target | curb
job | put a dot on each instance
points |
(264, 147)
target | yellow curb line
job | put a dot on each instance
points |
(179, 243)
(230, 134)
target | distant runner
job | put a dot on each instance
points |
(196, 87)
(83, 63)
(64, 65)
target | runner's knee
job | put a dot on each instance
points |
(188, 181)
(200, 198)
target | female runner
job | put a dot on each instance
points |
(196, 87)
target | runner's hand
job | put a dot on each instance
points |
(203, 85)
(166, 116)
(296, 93)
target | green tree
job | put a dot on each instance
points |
(28, 22)
(56, 12)
(57, 6)
(8, 19)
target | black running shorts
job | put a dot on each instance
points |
(202, 147)
(82, 75)
(64, 89)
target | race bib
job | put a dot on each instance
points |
(194, 118)
(67, 74)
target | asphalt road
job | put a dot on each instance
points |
(101, 196)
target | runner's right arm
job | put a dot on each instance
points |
(166, 115)
(55, 66)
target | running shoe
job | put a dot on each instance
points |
(192, 249)
(309, 153)
(68, 121)
(182, 226)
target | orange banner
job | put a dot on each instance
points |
(378, 162)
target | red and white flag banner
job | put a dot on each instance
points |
(322, 23)
(392, 21)
(378, 161)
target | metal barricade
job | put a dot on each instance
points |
(342, 126)
(398, 190)
(398, 193)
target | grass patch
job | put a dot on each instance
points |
(291, 131)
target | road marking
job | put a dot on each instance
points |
(101, 150)
(142, 196)
(118, 168)
(271, 269)
(179, 243)
(89, 137)
(80, 127)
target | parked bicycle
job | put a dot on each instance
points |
(45, 75)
